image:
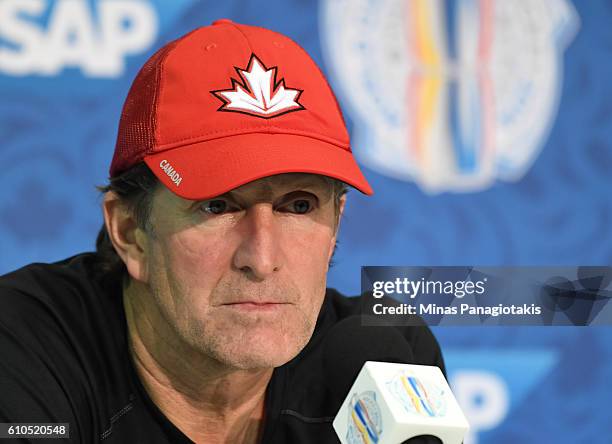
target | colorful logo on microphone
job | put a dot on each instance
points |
(365, 419)
(451, 94)
(418, 396)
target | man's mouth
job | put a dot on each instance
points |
(256, 306)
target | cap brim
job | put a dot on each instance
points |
(214, 167)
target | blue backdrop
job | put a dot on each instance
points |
(66, 66)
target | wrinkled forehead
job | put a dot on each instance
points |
(278, 182)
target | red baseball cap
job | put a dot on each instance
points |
(228, 104)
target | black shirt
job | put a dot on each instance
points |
(64, 359)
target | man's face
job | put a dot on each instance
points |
(241, 277)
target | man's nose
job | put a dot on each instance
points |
(259, 252)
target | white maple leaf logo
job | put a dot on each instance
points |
(259, 94)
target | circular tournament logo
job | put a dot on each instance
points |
(451, 94)
(365, 419)
(418, 396)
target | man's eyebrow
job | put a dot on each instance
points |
(266, 190)
(193, 203)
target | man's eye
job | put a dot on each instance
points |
(299, 203)
(215, 207)
(301, 206)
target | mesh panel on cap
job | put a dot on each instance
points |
(136, 135)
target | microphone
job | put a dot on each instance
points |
(385, 399)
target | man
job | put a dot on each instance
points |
(201, 316)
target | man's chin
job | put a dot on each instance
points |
(262, 351)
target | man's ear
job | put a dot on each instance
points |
(340, 212)
(127, 238)
(341, 207)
